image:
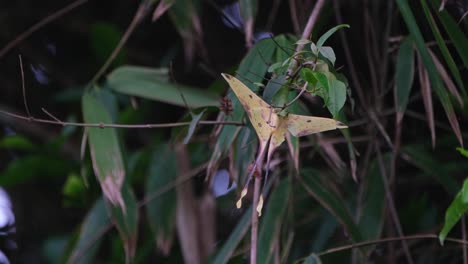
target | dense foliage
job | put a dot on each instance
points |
(137, 161)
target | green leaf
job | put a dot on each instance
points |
(153, 84)
(91, 234)
(270, 225)
(330, 201)
(105, 149)
(193, 124)
(336, 97)
(443, 47)
(329, 54)
(161, 209)
(404, 74)
(327, 34)
(453, 214)
(234, 239)
(434, 77)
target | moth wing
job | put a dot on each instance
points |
(300, 125)
(261, 115)
(246, 96)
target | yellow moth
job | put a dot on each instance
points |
(272, 128)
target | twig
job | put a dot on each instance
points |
(389, 239)
(391, 205)
(40, 24)
(139, 15)
(297, 97)
(52, 116)
(112, 125)
(23, 86)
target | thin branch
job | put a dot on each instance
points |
(40, 24)
(139, 15)
(23, 86)
(254, 231)
(52, 116)
(389, 239)
(112, 125)
(297, 97)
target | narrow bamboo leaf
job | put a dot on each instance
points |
(161, 210)
(105, 149)
(404, 74)
(327, 34)
(429, 65)
(91, 234)
(193, 124)
(373, 198)
(153, 84)
(453, 214)
(426, 162)
(446, 78)
(456, 35)
(271, 222)
(443, 47)
(234, 239)
(126, 221)
(331, 202)
(336, 97)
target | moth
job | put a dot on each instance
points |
(272, 127)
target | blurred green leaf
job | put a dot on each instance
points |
(40, 167)
(225, 252)
(312, 259)
(193, 125)
(104, 37)
(126, 221)
(404, 73)
(91, 234)
(161, 209)
(273, 86)
(463, 151)
(74, 190)
(331, 202)
(426, 162)
(453, 214)
(373, 202)
(153, 84)
(271, 221)
(16, 142)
